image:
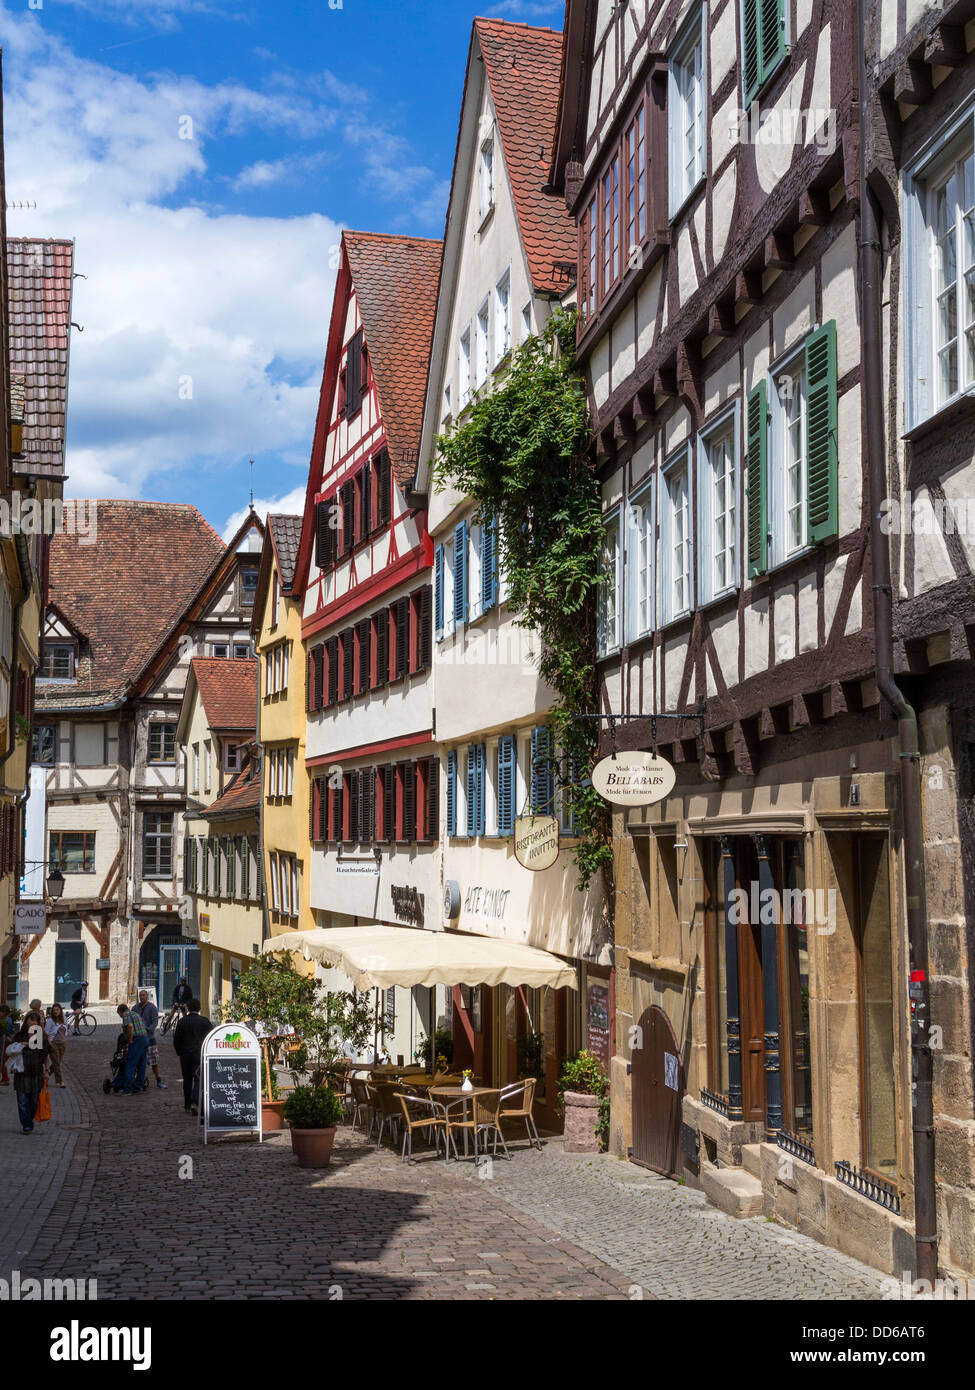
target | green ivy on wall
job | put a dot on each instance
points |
(521, 451)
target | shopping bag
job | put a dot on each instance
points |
(43, 1104)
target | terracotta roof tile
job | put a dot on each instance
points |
(242, 796)
(228, 689)
(395, 279)
(285, 537)
(125, 591)
(39, 277)
(524, 65)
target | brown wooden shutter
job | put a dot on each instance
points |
(332, 649)
(389, 803)
(347, 509)
(353, 377)
(431, 825)
(365, 518)
(408, 833)
(382, 647)
(425, 653)
(313, 789)
(384, 507)
(348, 659)
(318, 659)
(310, 684)
(324, 535)
(352, 807)
(364, 627)
(401, 616)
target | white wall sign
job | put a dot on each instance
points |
(230, 1072)
(536, 841)
(30, 919)
(634, 779)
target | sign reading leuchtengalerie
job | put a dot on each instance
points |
(230, 1066)
(634, 779)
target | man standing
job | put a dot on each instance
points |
(149, 1014)
(137, 1040)
(188, 1042)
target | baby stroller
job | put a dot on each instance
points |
(118, 1067)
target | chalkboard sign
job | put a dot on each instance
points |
(231, 1063)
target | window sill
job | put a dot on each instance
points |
(731, 591)
(953, 412)
(486, 219)
(678, 210)
(684, 616)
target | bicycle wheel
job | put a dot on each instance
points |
(87, 1025)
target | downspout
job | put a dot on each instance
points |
(874, 449)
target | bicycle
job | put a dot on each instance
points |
(83, 1023)
(177, 1012)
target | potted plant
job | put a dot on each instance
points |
(313, 1112)
(433, 1049)
(272, 1109)
(582, 1088)
(277, 1001)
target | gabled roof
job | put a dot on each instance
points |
(125, 591)
(228, 691)
(39, 275)
(285, 533)
(395, 281)
(524, 69)
(242, 796)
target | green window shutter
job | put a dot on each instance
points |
(757, 492)
(763, 43)
(750, 49)
(821, 442)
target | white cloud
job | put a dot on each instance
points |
(291, 504)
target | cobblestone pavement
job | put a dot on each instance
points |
(122, 1190)
(665, 1237)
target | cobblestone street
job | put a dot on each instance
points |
(106, 1201)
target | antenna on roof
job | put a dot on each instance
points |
(252, 484)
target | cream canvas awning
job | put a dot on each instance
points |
(378, 957)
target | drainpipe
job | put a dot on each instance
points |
(871, 296)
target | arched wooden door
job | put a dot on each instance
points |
(657, 1077)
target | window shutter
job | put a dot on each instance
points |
(348, 662)
(314, 793)
(751, 64)
(351, 807)
(425, 653)
(347, 502)
(365, 479)
(401, 611)
(365, 652)
(367, 818)
(389, 803)
(382, 647)
(772, 27)
(438, 577)
(323, 535)
(384, 507)
(471, 789)
(409, 802)
(353, 378)
(460, 573)
(489, 572)
(821, 435)
(756, 501)
(452, 792)
(479, 764)
(310, 685)
(542, 776)
(431, 825)
(318, 661)
(338, 798)
(506, 783)
(332, 649)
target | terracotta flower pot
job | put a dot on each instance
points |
(272, 1114)
(581, 1118)
(313, 1147)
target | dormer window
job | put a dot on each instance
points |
(58, 661)
(248, 587)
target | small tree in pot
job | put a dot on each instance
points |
(582, 1089)
(279, 1001)
(313, 1112)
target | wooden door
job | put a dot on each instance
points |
(751, 993)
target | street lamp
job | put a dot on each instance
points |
(55, 884)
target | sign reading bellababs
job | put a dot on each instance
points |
(230, 1066)
(536, 841)
(634, 779)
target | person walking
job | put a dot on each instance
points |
(137, 1040)
(188, 1042)
(7, 1029)
(149, 1014)
(30, 1062)
(56, 1029)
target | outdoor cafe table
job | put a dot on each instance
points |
(450, 1093)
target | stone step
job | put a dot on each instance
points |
(732, 1190)
(751, 1159)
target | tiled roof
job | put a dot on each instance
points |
(125, 591)
(523, 66)
(228, 689)
(395, 279)
(285, 537)
(243, 794)
(39, 290)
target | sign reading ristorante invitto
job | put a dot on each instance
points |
(536, 841)
(634, 779)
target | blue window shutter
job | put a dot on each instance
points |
(452, 792)
(481, 760)
(438, 572)
(489, 567)
(471, 789)
(506, 772)
(542, 779)
(460, 573)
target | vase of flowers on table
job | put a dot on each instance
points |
(467, 1084)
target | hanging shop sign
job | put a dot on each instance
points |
(536, 842)
(407, 903)
(451, 900)
(230, 1066)
(30, 919)
(634, 779)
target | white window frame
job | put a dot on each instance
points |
(207, 766)
(447, 411)
(464, 368)
(526, 321)
(779, 551)
(608, 642)
(485, 176)
(725, 425)
(491, 787)
(482, 343)
(687, 86)
(502, 317)
(196, 769)
(475, 543)
(679, 463)
(640, 561)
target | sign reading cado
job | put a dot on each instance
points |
(634, 779)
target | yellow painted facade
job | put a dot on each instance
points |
(19, 629)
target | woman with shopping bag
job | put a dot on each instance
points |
(29, 1059)
(56, 1029)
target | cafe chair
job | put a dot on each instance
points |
(387, 1107)
(483, 1119)
(426, 1115)
(362, 1107)
(526, 1090)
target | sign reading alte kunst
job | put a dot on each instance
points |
(634, 779)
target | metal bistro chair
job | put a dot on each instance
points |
(362, 1106)
(485, 1117)
(421, 1113)
(388, 1111)
(525, 1089)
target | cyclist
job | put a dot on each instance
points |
(78, 1001)
(182, 995)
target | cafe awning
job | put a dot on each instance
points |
(378, 957)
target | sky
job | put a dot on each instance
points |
(205, 155)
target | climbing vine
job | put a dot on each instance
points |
(521, 452)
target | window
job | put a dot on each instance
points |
(162, 743)
(157, 844)
(635, 156)
(445, 415)
(588, 257)
(460, 574)
(196, 768)
(610, 222)
(275, 597)
(502, 317)
(763, 43)
(242, 650)
(675, 540)
(526, 322)
(617, 216)
(464, 370)
(686, 110)
(233, 757)
(421, 645)
(44, 744)
(230, 859)
(486, 177)
(541, 781)
(608, 601)
(718, 511)
(505, 784)
(72, 851)
(791, 427)
(481, 344)
(207, 759)
(639, 563)
(475, 789)
(248, 588)
(355, 375)
(451, 827)
(58, 661)
(221, 649)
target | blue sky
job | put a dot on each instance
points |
(205, 155)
